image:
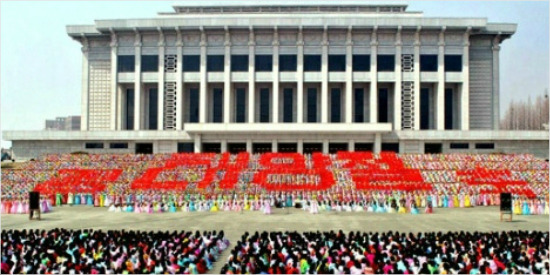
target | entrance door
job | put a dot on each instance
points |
(432, 148)
(144, 148)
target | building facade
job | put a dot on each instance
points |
(289, 79)
(70, 123)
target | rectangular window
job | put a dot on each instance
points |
(424, 109)
(311, 105)
(312, 63)
(386, 63)
(118, 145)
(359, 105)
(239, 63)
(94, 145)
(129, 109)
(214, 63)
(149, 63)
(383, 105)
(428, 63)
(241, 105)
(337, 63)
(449, 109)
(288, 97)
(186, 147)
(460, 146)
(361, 62)
(453, 63)
(126, 63)
(264, 105)
(485, 146)
(153, 109)
(217, 105)
(191, 63)
(263, 63)
(193, 105)
(287, 63)
(335, 102)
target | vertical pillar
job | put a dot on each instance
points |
(114, 82)
(275, 90)
(373, 97)
(465, 91)
(351, 146)
(198, 143)
(85, 86)
(179, 80)
(203, 79)
(325, 146)
(496, 82)
(160, 94)
(137, 83)
(223, 146)
(274, 147)
(397, 83)
(249, 146)
(417, 84)
(300, 146)
(377, 143)
(440, 97)
(300, 77)
(349, 76)
(227, 78)
(324, 77)
(251, 79)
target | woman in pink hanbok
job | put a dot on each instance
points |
(137, 208)
(267, 207)
(314, 208)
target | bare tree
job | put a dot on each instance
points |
(529, 115)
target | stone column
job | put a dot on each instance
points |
(417, 83)
(85, 87)
(397, 83)
(198, 143)
(377, 143)
(227, 78)
(373, 97)
(223, 146)
(300, 146)
(251, 79)
(324, 77)
(160, 103)
(203, 79)
(465, 91)
(274, 147)
(249, 146)
(300, 77)
(179, 80)
(496, 82)
(114, 83)
(275, 90)
(349, 77)
(137, 83)
(440, 97)
(351, 146)
(325, 146)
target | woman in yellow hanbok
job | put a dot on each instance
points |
(247, 206)
(516, 207)
(456, 203)
(467, 201)
(214, 207)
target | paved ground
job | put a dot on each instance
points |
(235, 224)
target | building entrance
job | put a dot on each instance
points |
(144, 148)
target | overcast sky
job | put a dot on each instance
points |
(41, 67)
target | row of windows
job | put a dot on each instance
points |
(288, 63)
(477, 146)
(100, 145)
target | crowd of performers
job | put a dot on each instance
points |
(61, 251)
(513, 252)
(444, 185)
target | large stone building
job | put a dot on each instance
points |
(288, 78)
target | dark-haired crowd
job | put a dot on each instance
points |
(517, 252)
(60, 251)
